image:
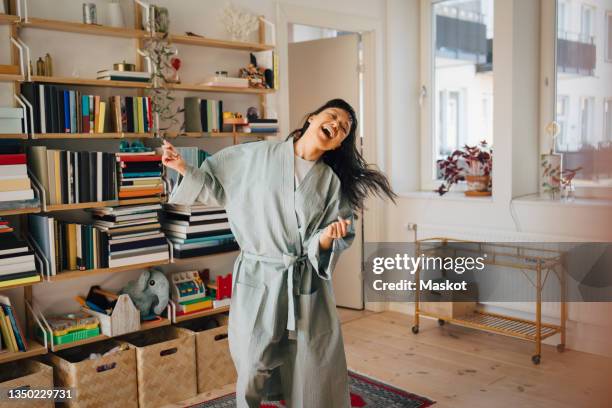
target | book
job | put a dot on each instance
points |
(19, 334)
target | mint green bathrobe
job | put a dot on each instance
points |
(284, 332)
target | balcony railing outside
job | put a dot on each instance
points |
(576, 53)
(461, 39)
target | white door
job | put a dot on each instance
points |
(321, 70)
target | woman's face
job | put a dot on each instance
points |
(329, 128)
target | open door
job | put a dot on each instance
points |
(321, 70)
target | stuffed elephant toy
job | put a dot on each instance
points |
(150, 292)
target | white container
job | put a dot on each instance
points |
(11, 120)
(115, 15)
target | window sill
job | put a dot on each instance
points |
(539, 200)
(450, 196)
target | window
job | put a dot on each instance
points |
(459, 73)
(581, 97)
(609, 36)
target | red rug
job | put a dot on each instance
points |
(365, 393)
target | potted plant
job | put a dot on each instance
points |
(472, 164)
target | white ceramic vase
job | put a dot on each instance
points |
(115, 15)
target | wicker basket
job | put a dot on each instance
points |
(29, 374)
(215, 365)
(166, 362)
(103, 382)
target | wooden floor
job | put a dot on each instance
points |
(460, 367)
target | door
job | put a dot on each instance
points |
(321, 70)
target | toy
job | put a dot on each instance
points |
(189, 292)
(71, 327)
(149, 293)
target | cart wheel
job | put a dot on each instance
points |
(535, 359)
(560, 347)
(441, 322)
(415, 329)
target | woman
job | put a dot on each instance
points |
(290, 206)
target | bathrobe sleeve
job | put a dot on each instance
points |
(324, 261)
(202, 184)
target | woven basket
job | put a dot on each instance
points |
(104, 382)
(29, 374)
(166, 362)
(215, 365)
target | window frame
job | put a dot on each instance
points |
(548, 94)
(608, 36)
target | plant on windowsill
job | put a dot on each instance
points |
(472, 164)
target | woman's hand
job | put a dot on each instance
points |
(172, 159)
(335, 230)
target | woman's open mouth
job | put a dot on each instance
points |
(328, 131)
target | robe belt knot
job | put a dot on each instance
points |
(293, 279)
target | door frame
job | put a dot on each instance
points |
(372, 30)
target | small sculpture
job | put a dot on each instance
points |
(174, 78)
(150, 292)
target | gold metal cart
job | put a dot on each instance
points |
(541, 261)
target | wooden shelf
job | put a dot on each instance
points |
(89, 82)
(215, 134)
(98, 204)
(10, 77)
(91, 29)
(220, 89)
(21, 136)
(18, 211)
(111, 135)
(153, 324)
(213, 43)
(34, 349)
(67, 275)
(8, 19)
(203, 313)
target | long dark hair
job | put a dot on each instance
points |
(358, 180)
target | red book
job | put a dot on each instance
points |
(138, 158)
(149, 114)
(19, 158)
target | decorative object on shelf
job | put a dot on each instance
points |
(222, 74)
(158, 19)
(115, 14)
(255, 75)
(472, 164)
(90, 13)
(239, 23)
(174, 78)
(266, 62)
(252, 113)
(568, 189)
(550, 165)
(150, 293)
(48, 65)
(136, 146)
(226, 82)
(40, 67)
(124, 66)
(192, 34)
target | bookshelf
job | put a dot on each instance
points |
(16, 24)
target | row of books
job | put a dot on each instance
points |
(197, 230)
(69, 177)
(58, 110)
(203, 115)
(140, 174)
(133, 234)
(261, 126)
(12, 335)
(17, 264)
(14, 181)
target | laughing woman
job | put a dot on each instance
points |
(290, 206)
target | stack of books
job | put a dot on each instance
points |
(140, 174)
(14, 182)
(132, 234)
(197, 230)
(56, 110)
(131, 114)
(114, 75)
(12, 335)
(69, 177)
(261, 126)
(203, 115)
(17, 265)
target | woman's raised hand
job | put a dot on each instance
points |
(172, 159)
(335, 230)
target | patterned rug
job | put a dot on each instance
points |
(365, 393)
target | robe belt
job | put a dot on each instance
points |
(293, 279)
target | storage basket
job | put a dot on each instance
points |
(103, 382)
(215, 366)
(25, 374)
(166, 361)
